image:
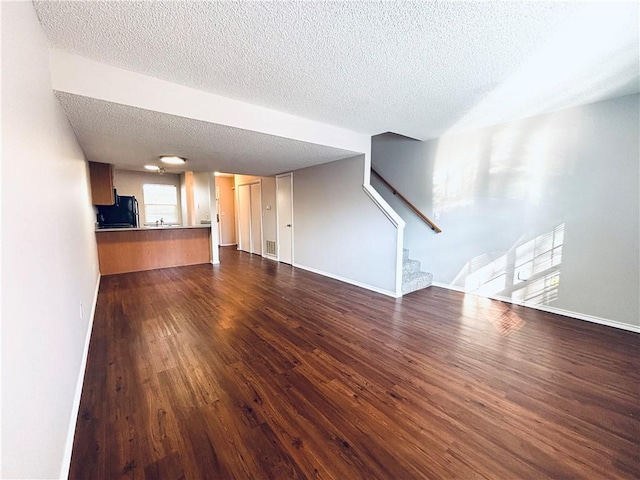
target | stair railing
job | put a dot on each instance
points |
(422, 216)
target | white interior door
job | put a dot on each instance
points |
(284, 201)
(244, 218)
(256, 218)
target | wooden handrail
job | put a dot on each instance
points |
(422, 216)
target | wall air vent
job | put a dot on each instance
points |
(271, 248)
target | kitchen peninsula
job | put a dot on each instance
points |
(123, 250)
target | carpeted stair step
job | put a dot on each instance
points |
(416, 281)
(410, 266)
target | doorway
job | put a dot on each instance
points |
(284, 202)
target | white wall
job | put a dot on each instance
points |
(184, 214)
(338, 230)
(201, 197)
(129, 183)
(49, 258)
(501, 190)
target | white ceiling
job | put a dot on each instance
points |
(130, 137)
(420, 69)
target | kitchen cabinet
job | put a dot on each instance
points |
(101, 178)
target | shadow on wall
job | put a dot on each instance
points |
(513, 162)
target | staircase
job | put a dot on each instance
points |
(412, 278)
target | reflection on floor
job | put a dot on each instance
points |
(507, 323)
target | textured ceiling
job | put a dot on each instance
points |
(130, 137)
(414, 68)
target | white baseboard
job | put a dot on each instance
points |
(389, 293)
(270, 257)
(66, 459)
(547, 308)
(448, 287)
(227, 244)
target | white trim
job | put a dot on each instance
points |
(384, 206)
(451, 287)
(399, 260)
(389, 293)
(75, 408)
(548, 309)
(270, 257)
(227, 244)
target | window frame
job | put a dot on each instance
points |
(154, 216)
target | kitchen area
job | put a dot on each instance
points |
(152, 219)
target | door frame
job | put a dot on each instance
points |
(282, 175)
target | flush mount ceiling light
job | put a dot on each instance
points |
(155, 168)
(172, 160)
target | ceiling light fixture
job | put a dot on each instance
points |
(153, 168)
(172, 160)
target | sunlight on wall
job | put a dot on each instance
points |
(590, 57)
(455, 174)
(488, 279)
(538, 255)
(508, 161)
(542, 291)
(537, 156)
(528, 272)
(503, 146)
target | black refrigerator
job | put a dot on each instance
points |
(123, 214)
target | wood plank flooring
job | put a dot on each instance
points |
(254, 369)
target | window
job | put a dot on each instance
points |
(160, 203)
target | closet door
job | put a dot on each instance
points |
(244, 218)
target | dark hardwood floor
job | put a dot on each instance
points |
(254, 370)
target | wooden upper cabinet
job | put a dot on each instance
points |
(101, 177)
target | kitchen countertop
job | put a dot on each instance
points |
(146, 229)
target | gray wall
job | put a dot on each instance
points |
(338, 230)
(559, 189)
(49, 258)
